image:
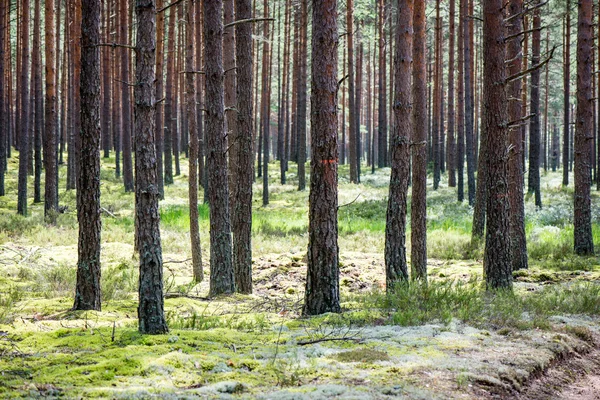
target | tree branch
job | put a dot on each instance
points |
(165, 8)
(243, 21)
(525, 11)
(514, 35)
(530, 70)
(113, 45)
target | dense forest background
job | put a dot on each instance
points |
(332, 198)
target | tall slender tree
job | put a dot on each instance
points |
(515, 161)
(125, 99)
(451, 141)
(567, 94)
(460, 112)
(301, 102)
(418, 225)
(497, 256)
(221, 267)
(395, 227)
(151, 313)
(4, 106)
(534, 98)
(24, 109)
(322, 281)
(190, 94)
(50, 118)
(170, 105)
(352, 111)
(468, 92)
(87, 289)
(584, 244)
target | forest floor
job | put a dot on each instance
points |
(449, 339)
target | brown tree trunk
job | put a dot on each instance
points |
(200, 99)
(221, 268)
(190, 93)
(242, 211)
(4, 105)
(176, 121)
(451, 144)
(437, 99)
(170, 105)
(460, 112)
(358, 102)
(567, 93)
(497, 256)
(301, 113)
(151, 313)
(23, 122)
(106, 85)
(87, 291)
(352, 110)
(282, 126)
(230, 98)
(322, 281)
(265, 106)
(50, 131)
(396, 269)
(418, 211)
(534, 126)
(468, 92)
(584, 244)
(160, 89)
(38, 107)
(515, 161)
(125, 99)
(382, 107)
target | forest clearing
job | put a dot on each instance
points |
(449, 340)
(296, 199)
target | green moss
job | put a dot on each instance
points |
(361, 355)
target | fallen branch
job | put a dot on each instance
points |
(104, 210)
(243, 21)
(334, 339)
(347, 204)
(175, 295)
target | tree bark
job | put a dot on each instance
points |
(4, 105)
(322, 281)
(38, 107)
(497, 256)
(265, 106)
(451, 144)
(468, 92)
(159, 110)
(151, 313)
(24, 110)
(437, 100)
(515, 161)
(301, 113)
(395, 227)
(460, 112)
(170, 105)
(221, 268)
(584, 244)
(125, 100)
(418, 224)
(567, 93)
(352, 111)
(87, 290)
(534, 98)
(50, 131)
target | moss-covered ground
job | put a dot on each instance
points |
(450, 339)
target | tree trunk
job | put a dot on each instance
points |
(382, 128)
(322, 281)
(38, 107)
(221, 268)
(567, 93)
(497, 256)
(190, 93)
(301, 113)
(396, 269)
(515, 161)
(358, 102)
(534, 126)
(151, 313)
(125, 99)
(468, 92)
(460, 113)
(106, 92)
(352, 110)
(451, 145)
(160, 84)
(4, 105)
(87, 290)
(418, 211)
(50, 131)
(242, 211)
(437, 99)
(170, 105)
(24, 110)
(265, 106)
(584, 244)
